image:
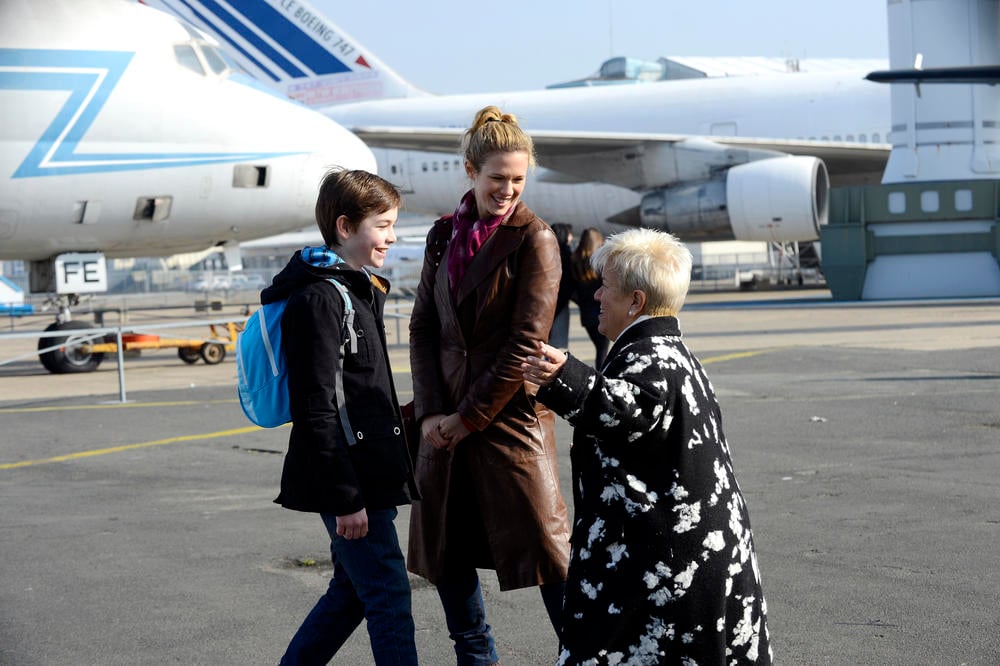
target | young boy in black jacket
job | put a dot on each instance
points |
(353, 475)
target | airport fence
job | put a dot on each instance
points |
(128, 337)
(69, 338)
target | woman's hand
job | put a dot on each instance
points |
(430, 432)
(453, 429)
(353, 525)
(544, 367)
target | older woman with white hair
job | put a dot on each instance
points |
(663, 568)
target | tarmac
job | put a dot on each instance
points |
(866, 439)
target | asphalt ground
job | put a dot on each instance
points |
(866, 439)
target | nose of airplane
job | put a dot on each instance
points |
(279, 123)
(346, 150)
(332, 146)
(295, 145)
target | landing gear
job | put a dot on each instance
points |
(73, 353)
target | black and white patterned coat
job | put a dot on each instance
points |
(663, 568)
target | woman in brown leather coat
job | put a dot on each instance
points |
(486, 467)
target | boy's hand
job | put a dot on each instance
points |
(353, 525)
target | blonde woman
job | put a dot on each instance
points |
(486, 465)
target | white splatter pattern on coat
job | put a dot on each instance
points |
(662, 548)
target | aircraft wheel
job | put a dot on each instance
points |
(213, 352)
(189, 355)
(73, 354)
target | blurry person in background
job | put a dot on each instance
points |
(587, 283)
(559, 337)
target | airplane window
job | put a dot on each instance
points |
(836, 137)
(930, 201)
(423, 167)
(434, 166)
(863, 138)
(185, 55)
(86, 212)
(214, 60)
(231, 64)
(963, 200)
(393, 168)
(850, 137)
(152, 209)
(897, 203)
(456, 165)
(250, 175)
(875, 137)
(444, 166)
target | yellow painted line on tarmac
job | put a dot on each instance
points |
(704, 361)
(117, 405)
(733, 357)
(130, 447)
(210, 435)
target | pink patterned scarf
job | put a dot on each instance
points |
(468, 234)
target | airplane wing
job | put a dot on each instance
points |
(640, 161)
(843, 159)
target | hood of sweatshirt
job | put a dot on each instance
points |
(313, 264)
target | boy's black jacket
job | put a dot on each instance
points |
(321, 473)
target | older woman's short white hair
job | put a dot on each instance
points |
(654, 262)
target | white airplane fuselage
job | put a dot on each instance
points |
(841, 103)
(118, 136)
(743, 157)
(839, 107)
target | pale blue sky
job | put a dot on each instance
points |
(451, 46)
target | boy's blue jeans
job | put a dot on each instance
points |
(369, 582)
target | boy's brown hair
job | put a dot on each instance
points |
(354, 194)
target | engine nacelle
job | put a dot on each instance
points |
(778, 199)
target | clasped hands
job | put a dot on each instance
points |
(443, 432)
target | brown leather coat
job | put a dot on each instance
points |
(467, 358)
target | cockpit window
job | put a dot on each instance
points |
(231, 64)
(187, 57)
(212, 57)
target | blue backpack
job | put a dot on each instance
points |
(262, 376)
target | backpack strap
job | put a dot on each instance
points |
(441, 232)
(348, 336)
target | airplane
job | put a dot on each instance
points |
(744, 158)
(125, 133)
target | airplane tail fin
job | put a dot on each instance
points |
(293, 48)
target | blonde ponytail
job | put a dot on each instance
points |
(494, 131)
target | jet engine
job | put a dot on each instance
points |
(782, 198)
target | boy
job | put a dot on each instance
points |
(353, 476)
